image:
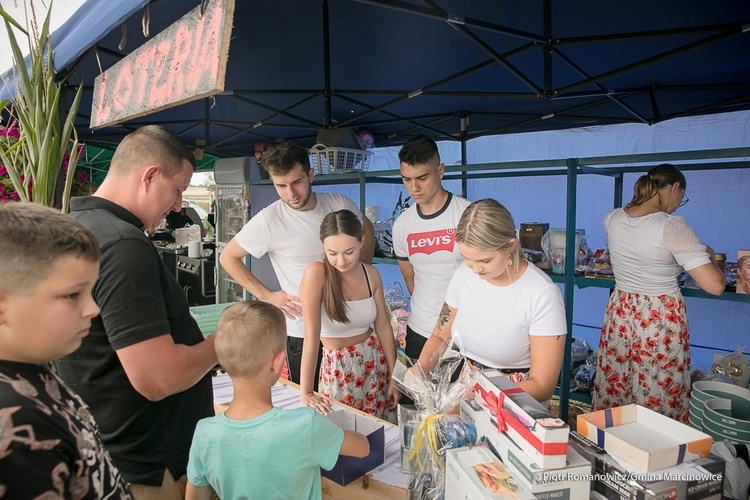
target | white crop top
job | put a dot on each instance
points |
(361, 314)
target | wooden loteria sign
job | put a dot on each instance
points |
(185, 62)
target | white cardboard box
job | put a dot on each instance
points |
(534, 428)
(347, 469)
(473, 473)
(568, 483)
(644, 438)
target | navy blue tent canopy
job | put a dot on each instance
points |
(452, 69)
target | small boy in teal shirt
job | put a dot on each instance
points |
(254, 450)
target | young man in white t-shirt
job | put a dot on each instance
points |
(423, 238)
(288, 230)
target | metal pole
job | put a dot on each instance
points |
(569, 287)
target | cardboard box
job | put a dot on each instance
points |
(568, 483)
(742, 253)
(535, 429)
(530, 234)
(347, 469)
(644, 438)
(698, 480)
(473, 473)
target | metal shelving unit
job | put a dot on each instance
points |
(570, 168)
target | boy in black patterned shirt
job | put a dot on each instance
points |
(49, 443)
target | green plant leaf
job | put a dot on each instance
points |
(19, 66)
(12, 21)
(37, 108)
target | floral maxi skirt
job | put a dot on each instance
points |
(644, 354)
(357, 376)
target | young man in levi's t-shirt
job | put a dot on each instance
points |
(424, 238)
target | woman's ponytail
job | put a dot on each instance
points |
(647, 186)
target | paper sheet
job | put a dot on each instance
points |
(390, 472)
(283, 396)
(223, 388)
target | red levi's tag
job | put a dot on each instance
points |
(505, 419)
(431, 241)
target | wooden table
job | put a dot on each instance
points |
(354, 490)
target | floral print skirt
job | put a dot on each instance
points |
(357, 376)
(644, 354)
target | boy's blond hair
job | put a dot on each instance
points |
(248, 336)
(33, 238)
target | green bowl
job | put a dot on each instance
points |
(716, 436)
(704, 390)
(695, 423)
(720, 433)
(696, 403)
(695, 410)
(720, 413)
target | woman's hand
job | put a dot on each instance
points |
(320, 403)
(393, 396)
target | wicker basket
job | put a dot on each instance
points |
(324, 159)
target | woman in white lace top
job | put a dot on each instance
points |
(644, 350)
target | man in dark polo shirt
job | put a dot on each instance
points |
(144, 369)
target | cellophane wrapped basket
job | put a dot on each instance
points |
(440, 427)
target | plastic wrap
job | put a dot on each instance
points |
(436, 400)
(582, 368)
(579, 350)
(397, 305)
(583, 379)
(734, 366)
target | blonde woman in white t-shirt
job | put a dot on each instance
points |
(509, 315)
(644, 350)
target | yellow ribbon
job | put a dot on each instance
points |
(428, 429)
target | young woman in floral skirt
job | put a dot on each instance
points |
(342, 299)
(644, 351)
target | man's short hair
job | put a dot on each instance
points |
(282, 158)
(418, 151)
(152, 145)
(248, 336)
(33, 238)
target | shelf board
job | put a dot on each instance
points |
(384, 260)
(729, 296)
(556, 278)
(583, 282)
(576, 396)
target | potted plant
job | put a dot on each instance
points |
(41, 150)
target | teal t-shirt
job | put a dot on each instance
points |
(277, 455)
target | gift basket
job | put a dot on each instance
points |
(433, 424)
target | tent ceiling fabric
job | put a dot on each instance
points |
(401, 67)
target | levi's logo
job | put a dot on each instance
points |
(431, 241)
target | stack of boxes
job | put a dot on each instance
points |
(622, 453)
(640, 454)
(531, 441)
